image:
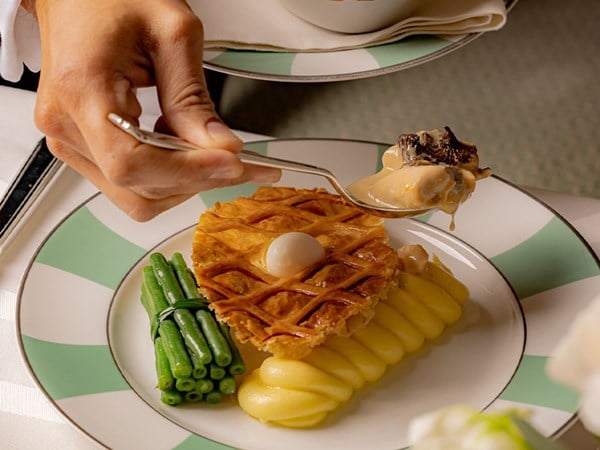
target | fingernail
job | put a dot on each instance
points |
(218, 129)
(268, 176)
(226, 173)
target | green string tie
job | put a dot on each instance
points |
(190, 304)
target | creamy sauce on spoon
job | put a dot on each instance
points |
(416, 176)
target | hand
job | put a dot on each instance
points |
(95, 53)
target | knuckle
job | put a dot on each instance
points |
(142, 212)
(58, 96)
(183, 27)
(47, 118)
(149, 193)
(192, 97)
(143, 209)
(57, 148)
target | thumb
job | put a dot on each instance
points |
(183, 94)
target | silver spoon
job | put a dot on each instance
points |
(246, 156)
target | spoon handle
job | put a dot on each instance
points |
(249, 157)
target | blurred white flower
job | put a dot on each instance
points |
(576, 363)
(462, 427)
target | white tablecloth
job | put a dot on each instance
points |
(27, 419)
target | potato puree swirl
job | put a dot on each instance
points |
(301, 393)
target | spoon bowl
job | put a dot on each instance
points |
(249, 157)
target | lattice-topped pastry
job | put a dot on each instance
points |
(288, 316)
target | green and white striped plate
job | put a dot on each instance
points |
(85, 336)
(336, 65)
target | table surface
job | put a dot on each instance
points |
(23, 407)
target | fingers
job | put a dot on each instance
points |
(117, 163)
(136, 206)
(141, 43)
(143, 202)
(185, 102)
(251, 174)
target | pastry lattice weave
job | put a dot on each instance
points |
(288, 317)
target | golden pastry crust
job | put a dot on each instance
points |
(289, 316)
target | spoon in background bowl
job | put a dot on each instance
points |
(249, 157)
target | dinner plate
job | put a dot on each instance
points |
(85, 336)
(336, 65)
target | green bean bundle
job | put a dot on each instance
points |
(194, 340)
(196, 358)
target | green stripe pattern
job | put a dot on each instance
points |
(67, 370)
(423, 217)
(280, 63)
(552, 257)
(531, 385)
(194, 442)
(274, 63)
(86, 247)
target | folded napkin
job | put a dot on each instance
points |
(268, 25)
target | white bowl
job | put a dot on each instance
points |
(351, 16)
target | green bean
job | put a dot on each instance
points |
(179, 360)
(184, 276)
(166, 278)
(213, 397)
(171, 397)
(194, 339)
(216, 341)
(199, 370)
(152, 298)
(204, 386)
(193, 396)
(237, 365)
(227, 385)
(170, 356)
(216, 372)
(185, 384)
(152, 289)
(163, 369)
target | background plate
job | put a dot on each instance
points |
(336, 65)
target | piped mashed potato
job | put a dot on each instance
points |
(427, 169)
(300, 393)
